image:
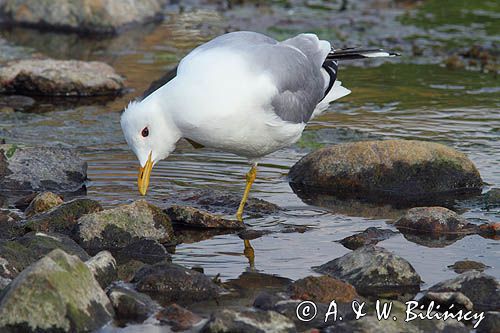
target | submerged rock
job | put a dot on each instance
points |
(177, 317)
(103, 266)
(483, 290)
(248, 320)
(190, 217)
(323, 289)
(40, 168)
(58, 293)
(228, 203)
(374, 271)
(16, 103)
(369, 236)
(467, 265)
(434, 220)
(63, 218)
(51, 77)
(130, 305)
(121, 226)
(387, 170)
(96, 16)
(43, 202)
(167, 282)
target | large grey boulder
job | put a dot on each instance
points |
(58, 293)
(40, 168)
(102, 16)
(384, 170)
(374, 271)
(51, 77)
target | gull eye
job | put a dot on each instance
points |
(145, 132)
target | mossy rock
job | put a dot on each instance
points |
(58, 293)
(121, 226)
(405, 169)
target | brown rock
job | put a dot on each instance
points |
(195, 218)
(178, 317)
(43, 202)
(323, 289)
(434, 220)
(467, 265)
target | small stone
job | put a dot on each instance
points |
(447, 299)
(249, 321)
(295, 228)
(483, 290)
(370, 236)
(121, 226)
(63, 218)
(103, 266)
(323, 289)
(43, 202)
(51, 77)
(167, 282)
(194, 218)
(454, 62)
(249, 234)
(490, 229)
(467, 265)
(433, 220)
(130, 305)
(57, 293)
(179, 318)
(374, 271)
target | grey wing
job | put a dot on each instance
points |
(295, 66)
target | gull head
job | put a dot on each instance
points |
(150, 135)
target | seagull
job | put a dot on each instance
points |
(243, 93)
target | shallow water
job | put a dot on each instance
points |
(404, 98)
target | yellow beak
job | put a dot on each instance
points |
(144, 173)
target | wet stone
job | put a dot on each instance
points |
(41, 243)
(130, 305)
(43, 202)
(370, 236)
(121, 226)
(467, 265)
(190, 217)
(434, 220)
(58, 293)
(103, 266)
(167, 282)
(228, 203)
(51, 77)
(248, 320)
(148, 251)
(31, 169)
(85, 16)
(388, 170)
(322, 289)
(63, 218)
(178, 318)
(374, 271)
(483, 290)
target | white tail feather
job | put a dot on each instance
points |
(337, 91)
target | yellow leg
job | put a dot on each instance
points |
(249, 253)
(251, 175)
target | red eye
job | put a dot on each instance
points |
(145, 132)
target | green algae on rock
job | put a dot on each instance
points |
(387, 170)
(57, 293)
(121, 226)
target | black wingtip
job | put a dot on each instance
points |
(358, 53)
